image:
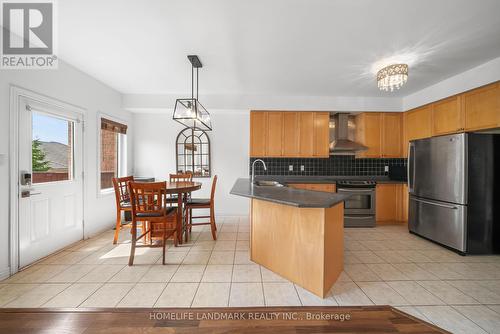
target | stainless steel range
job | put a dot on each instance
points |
(359, 208)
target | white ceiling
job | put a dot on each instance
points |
(275, 47)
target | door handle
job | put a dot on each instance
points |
(27, 193)
(410, 166)
(447, 206)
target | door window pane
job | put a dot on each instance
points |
(52, 148)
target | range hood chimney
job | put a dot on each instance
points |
(342, 129)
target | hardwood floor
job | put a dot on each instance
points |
(376, 319)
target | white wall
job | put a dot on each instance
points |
(71, 86)
(230, 102)
(478, 76)
(154, 149)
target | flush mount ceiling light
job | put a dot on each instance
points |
(392, 77)
(189, 111)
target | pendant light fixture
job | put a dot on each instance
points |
(189, 111)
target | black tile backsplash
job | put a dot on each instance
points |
(337, 165)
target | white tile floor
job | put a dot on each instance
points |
(383, 265)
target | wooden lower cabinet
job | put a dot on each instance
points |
(325, 187)
(389, 206)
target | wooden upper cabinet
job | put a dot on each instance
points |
(368, 133)
(391, 135)
(321, 134)
(482, 107)
(291, 134)
(274, 134)
(448, 116)
(381, 133)
(306, 130)
(258, 134)
(418, 123)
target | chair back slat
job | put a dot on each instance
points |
(181, 177)
(120, 184)
(148, 198)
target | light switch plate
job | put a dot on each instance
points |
(386, 168)
(302, 168)
(290, 168)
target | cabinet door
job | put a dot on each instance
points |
(447, 116)
(290, 134)
(368, 133)
(258, 134)
(391, 135)
(321, 134)
(325, 187)
(482, 107)
(306, 129)
(387, 202)
(417, 123)
(274, 133)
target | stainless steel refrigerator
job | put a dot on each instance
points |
(454, 186)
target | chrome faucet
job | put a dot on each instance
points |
(253, 168)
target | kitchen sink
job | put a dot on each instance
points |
(269, 184)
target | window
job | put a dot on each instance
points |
(51, 148)
(113, 157)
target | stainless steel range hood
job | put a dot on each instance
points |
(342, 135)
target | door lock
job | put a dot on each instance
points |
(25, 179)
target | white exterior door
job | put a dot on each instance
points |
(50, 162)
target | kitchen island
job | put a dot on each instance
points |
(298, 234)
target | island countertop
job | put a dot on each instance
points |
(287, 196)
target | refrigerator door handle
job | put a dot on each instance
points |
(411, 166)
(447, 206)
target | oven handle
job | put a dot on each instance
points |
(359, 217)
(355, 190)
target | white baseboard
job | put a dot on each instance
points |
(4, 273)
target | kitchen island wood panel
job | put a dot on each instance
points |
(304, 245)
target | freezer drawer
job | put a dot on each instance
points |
(441, 222)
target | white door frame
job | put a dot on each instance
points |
(16, 93)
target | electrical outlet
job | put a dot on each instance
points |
(290, 168)
(386, 168)
(302, 168)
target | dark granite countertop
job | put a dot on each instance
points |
(323, 179)
(286, 195)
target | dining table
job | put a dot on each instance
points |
(182, 189)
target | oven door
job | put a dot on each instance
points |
(361, 201)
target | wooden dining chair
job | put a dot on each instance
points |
(181, 177)
(148, 201)
(202, 203)
(122, 198)
(172, 199)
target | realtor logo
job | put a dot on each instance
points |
(28, 35)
